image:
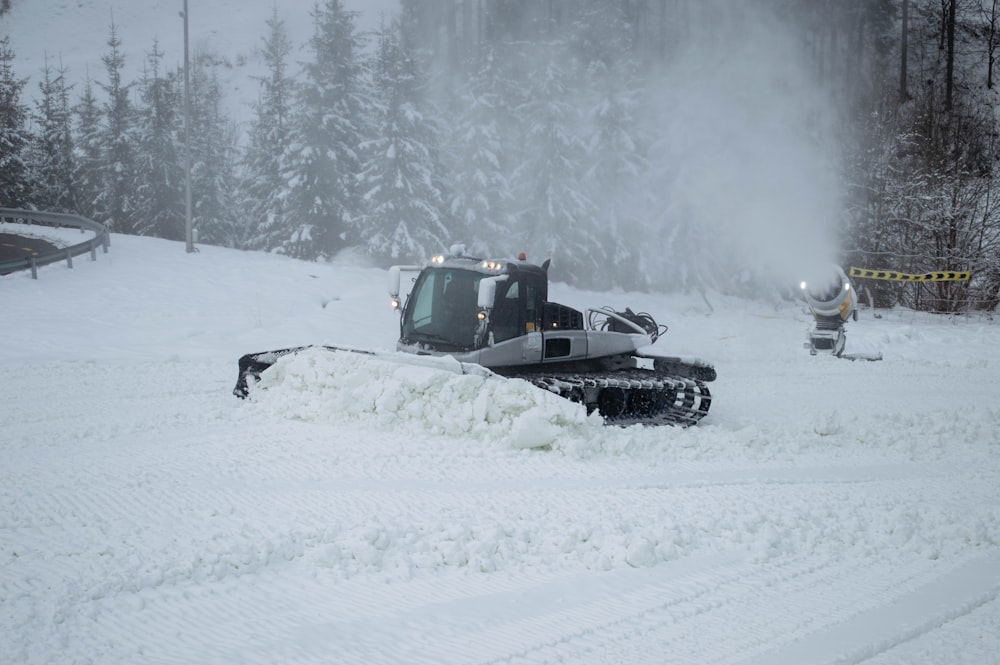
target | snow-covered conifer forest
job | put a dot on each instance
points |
(645, 144)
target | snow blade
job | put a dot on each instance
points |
(252, 364)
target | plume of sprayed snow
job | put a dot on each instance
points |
(744, 177)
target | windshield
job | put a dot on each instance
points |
(442, 309)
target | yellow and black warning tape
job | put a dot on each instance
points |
(892, 275)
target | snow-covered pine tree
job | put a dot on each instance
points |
(615, 160)
(400, 179)
(558, 217)
(116, 206)
(88, 152)
(213, 158)
(262, 186)
(322, 159)
(481, 198)
(51, 154)
(14, 136)
(159, 175)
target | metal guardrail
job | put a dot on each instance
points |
(58, 220)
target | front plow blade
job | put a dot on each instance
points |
(252, 364)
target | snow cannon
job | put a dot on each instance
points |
(831, 298)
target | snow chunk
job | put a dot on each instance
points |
(642, 553)
(437, 395)
(827, 424)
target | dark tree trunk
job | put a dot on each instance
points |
(950, 72)
(903, 46)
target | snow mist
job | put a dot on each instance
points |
(744, 178)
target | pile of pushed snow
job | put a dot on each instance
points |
(437, 395)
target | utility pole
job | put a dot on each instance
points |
(188, 230)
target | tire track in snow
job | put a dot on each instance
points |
(431, 621)
(658, 614)
(780, 611)
(973, 634)
(883, 607)
(899, 618)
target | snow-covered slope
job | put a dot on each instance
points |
(356, 512)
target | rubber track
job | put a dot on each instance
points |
(685, 401)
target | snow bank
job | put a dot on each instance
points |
(430, 395)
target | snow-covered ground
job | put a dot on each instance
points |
(825, 511)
